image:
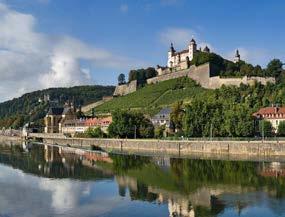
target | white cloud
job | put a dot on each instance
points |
(30, 60)
(179, 36)
(124, 8)
(52, 197)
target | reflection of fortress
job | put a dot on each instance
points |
(178, 205)
(212, 199)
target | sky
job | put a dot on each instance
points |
(62, 43)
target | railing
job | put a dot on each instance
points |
(225, 138)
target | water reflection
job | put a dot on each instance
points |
(52, 181)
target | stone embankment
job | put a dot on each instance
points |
(255, 148)
(4, 139)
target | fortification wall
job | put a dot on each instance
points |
(122, 90)
(168, 76)
(203, 75)
(216, 81)
(90, 106)
(200, 74)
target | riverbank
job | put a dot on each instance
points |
(252, 148)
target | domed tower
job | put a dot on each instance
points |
(192, 49)
(171, 53)
(237, 57)
(206, 49)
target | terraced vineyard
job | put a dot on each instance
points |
(155, 96)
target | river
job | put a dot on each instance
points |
(50, 181)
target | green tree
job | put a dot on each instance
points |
(274, 68)
(121, 79)
(129, 125)
(18, 122)
(176, 115)
(265, 128)
(146, 129)
(281, 128)
(158, 131)
(95, 133)
(141, 75)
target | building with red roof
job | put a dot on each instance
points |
(273, 114)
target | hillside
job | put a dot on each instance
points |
(153, 97)
(28, 108)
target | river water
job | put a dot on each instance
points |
(45, 181)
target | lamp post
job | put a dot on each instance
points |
(135, 134)
(211, 132)
(262, 131)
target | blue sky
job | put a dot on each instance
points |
(137, 33)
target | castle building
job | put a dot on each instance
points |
(183, 57)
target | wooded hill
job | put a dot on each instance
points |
(14, 113)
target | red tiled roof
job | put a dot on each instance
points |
(271, 113)
(98, 121)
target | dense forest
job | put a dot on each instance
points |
(32, 107)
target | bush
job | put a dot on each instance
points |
(95, 133)
(281, 128)
(159, 131)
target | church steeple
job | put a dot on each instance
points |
(172, 50)
(237, 57)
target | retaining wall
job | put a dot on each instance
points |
(125, 89)
(268, 148)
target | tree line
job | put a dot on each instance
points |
(226, 68)
(141, 75)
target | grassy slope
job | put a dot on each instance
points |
(155, 96)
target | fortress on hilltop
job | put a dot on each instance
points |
(179, 65)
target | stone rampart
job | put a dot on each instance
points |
(125, 89)
(200, 74)
(168, 76)
(217, 82)
(205, 75)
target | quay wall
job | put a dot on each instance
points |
(266, 148)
